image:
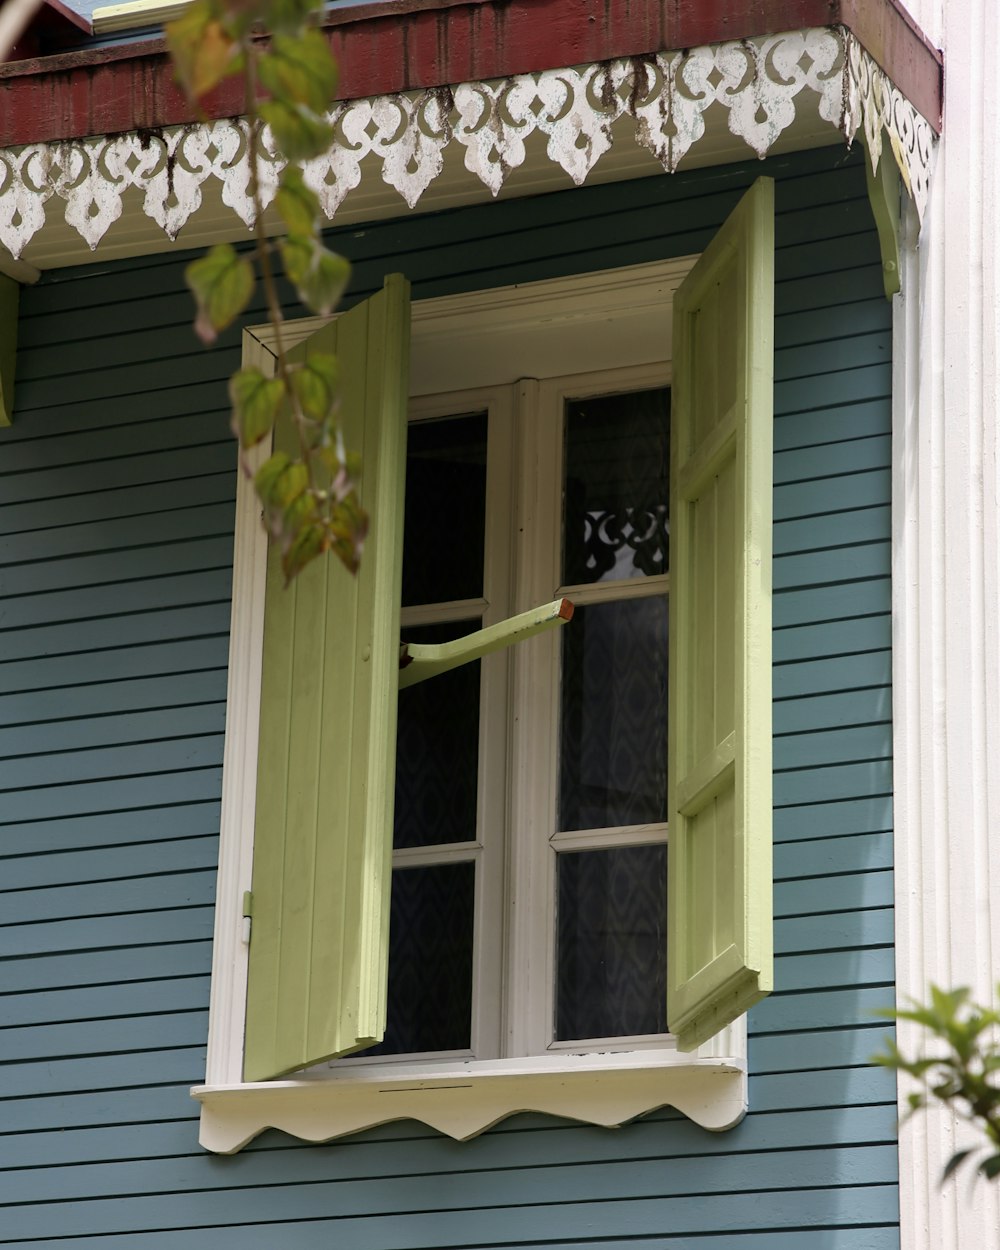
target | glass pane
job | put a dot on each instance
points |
(445, 523)
(430, 960)
(437, 750)
(612, 940)
(615, 492)
(613, 727)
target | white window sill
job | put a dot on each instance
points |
(463, 1099)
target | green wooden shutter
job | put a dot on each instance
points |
(720, 942)
(323, 832)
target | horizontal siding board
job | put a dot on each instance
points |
(54, 802)
(124, 503)
(90, 446)
(23, 1050)
(866, 742)
(150, 824)
(823, 1087)
(144, 928)
(851, 892)
(821, 857)
(43, 711)
(856, 525)
(318, 1235)
(390, 1151)
(832, 425)
(837, 564)
(863, 966)
(110, 729)
(145, 530)
(207, 551)
(808, 1050)
(861, 633)
(110, 664)
(834, 931)
(808, 713)
(108, 966)
(822, 496)
(806, 1208)
(509, 1189)
(162, 892)
(807, 464)
(141, 858)
(826, 1009)
(830, 603)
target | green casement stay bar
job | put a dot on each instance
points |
(418, 661)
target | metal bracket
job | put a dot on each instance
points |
(418, 661)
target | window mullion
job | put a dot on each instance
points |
(534, 728)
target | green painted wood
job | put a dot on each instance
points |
(10, 293)
(886, 198)
(719, 945)
(319, 957)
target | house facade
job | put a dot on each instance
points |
(546, 185)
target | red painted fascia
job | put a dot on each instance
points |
(401, 45)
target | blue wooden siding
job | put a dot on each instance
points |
(116, 500)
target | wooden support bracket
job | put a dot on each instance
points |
(884, 196)
(418, 661)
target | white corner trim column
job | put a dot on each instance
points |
(946, 612)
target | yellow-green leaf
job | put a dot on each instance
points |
(315, 385)
(300, 69)
(307, 544)
(318, 275)
(297, 204)
(222, 283)
(298, 131)
(255, 401)
(267, 476)
(203, 51)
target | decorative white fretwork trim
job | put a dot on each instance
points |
(760, 82)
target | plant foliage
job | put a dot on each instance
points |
(309, 498)
(962, 1075)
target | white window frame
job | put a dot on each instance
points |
(615, 320)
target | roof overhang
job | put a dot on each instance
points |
(445, 100)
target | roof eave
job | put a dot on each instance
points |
(390, 46)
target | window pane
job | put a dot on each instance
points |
(437, 750)
(612, 943)
(430, 960)
(445, 522)
(613, 728)
(615, 488)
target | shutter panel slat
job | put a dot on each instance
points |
(719, 947)
(323, 828)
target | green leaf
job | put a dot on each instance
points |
(307, 544)
(299, 133)
(290, 484)
(297, 204)
(315, 385)
(318, 275)
(222, 283)
(300, 70)
(268, 475)
(203, 51)
(255, 401)
(346, 531)
(990, 1167)
(958, 1157)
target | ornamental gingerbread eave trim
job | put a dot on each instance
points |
(760, 83)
